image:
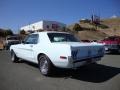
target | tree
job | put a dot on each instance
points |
(5, 33)
(22, 32)
(8, 32)
(77, 27)
(1, 33)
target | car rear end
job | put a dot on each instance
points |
(111, 47)
(74, 52)
(11, 40)
(85, 54)
(112, 44)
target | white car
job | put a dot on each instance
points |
(56, 49)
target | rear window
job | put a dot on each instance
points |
(62, 37)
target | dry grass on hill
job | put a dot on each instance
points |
(91, 35)
(113, 29)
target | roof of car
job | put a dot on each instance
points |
(50, 32)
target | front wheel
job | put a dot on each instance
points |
(14, 58)
(45, 65)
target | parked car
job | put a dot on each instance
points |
(112, 43)
(56, 49)
(11, 40)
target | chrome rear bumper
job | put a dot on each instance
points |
(77, 63)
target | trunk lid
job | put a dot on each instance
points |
(81, 50)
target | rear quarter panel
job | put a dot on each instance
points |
(54, 51)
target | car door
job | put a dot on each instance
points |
(26, 48)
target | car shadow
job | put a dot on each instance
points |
(95, 73)
(115, 53)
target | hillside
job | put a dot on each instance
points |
(107, 27)
(91, 35)
(114, 26)
(113, 23)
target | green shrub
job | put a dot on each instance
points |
(77, 27)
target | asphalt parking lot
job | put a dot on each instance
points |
(25, 76)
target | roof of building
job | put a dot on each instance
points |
(40, 22)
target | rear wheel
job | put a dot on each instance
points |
(14, 58)
(45, 65)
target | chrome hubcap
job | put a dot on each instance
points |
(12, 58)
(44, 66)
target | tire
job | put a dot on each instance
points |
(45, 65)
(119, 51)
(14, 58)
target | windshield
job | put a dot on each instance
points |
(62, 37)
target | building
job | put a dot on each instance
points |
(114, 16)
(44, 25)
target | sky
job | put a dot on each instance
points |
(17, 13)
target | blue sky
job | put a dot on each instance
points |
(17, 13)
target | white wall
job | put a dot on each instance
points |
(44, 25)
(34, 26)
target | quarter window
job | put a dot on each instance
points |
(31, 39)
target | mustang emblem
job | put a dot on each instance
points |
(74, 54)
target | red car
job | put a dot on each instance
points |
(112, 43)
